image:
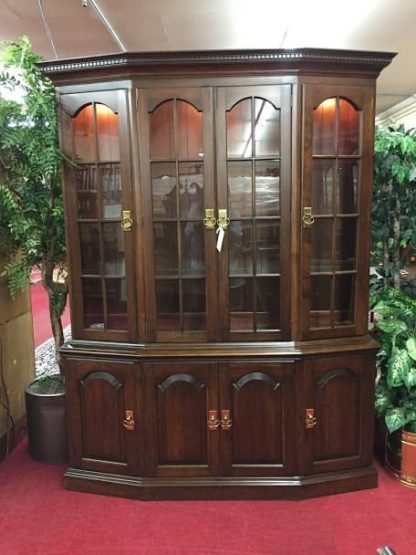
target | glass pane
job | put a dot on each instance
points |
(324, 127)
(346, 239)
(87, 192)
(114, 263)
(322, 186)
(93, 303)
(109, 177)
(347, 186)
(167, 303)
(107, 134)
(267, 247)
(344, 300)
(241, 304)
(164, 190)
(189, 131)
(193, 252)
(116, 303)
(194, 302)
(321, 245)
(320, 315)
(166, 248)
(89, 235)
(240, 238)
(267, 128)
(268, 188)
(162, 139)
(191, 193)
(239, 131)
(348, 128)
(268, 306)
(84, 143)
(240, 189)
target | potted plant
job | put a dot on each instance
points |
(31, 206)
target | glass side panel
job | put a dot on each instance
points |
(267, 128)
(241, 304)
(194, 304)
(321, 245)
(348, 128)
(165, 248)
(93, 303)
(164, 190)
(324, 119)
(344, 300)
(346, 235)
(240, 238)
(116, 292)
(348, 176)
(190, 140)
(267, 247)
(191, 190)
(240, 189)
(84, 135)
(322, 186)
(113, 241)
(167, 305)
(193, 248)
(87, 192)
(267, 183)
(320, 299)
(107, 134)
(239, 130)
(109, 180)
(89, 235)
(162, 137)
(267, 303)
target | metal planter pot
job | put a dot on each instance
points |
(400, 456)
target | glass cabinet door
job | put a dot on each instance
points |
(335, 191)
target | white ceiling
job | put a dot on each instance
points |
(64, 28)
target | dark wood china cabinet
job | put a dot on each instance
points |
(217, 216)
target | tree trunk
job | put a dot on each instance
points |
(396, 248)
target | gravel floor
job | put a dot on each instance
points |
(45, 356)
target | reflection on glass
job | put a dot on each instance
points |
(167, 305)
(320, 316)
(324, 127)
(164, 190)
(239, 130)
(321, 245)
(241, 304)
(267, 187)
(113, 250)
(268, 295)
(93, 303)
(191, 193)
(189, 131)
(267, 128)
(267, 247)
(162, 140)
(347, 186)
(344, 300)
(166, 248)
(193, 252)
(240, 240)
(109, 177)
(348, 128)
(116, 291)
(322, 186)
(87, 192)
(240, 189)
(89, 235)
(346, 229)
(83, 128)
(194, 317)
(107, 134)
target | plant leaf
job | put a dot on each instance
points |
(395, 419)
(411, 347)
(398, 367)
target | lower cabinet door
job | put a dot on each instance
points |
(258, 400)
(180, 398)
(338, 413)
(104, 409)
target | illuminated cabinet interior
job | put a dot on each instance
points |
(217, 216)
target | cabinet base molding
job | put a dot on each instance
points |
(291, 487)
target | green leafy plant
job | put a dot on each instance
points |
(31, 208)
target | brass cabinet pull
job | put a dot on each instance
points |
(310, 419)
(226, 422)
(126, 221)
(213, 422)
(307, 218)
(209, 220)
(223, 219)
(129, 422)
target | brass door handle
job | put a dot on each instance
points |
(213, 422)
(209, 220)
(129, 422)
(223, 219)
(225, 421)
(126, 221)
(310, 419)
(307, 218)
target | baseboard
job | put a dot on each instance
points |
(9, 440)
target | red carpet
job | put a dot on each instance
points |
(40, 311)
(39, 517)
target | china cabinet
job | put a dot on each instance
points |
(217, 215)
